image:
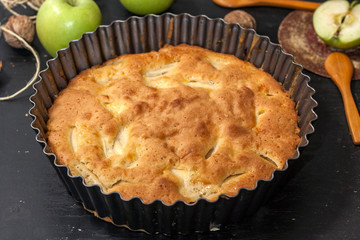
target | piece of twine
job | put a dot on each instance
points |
(9, 4)
(27, 46)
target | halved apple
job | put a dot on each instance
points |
(337, 23)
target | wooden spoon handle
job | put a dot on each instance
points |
(300, 5)
(352, 114)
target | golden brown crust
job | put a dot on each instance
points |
(181, 123)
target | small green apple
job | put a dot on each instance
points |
(60, 21)
(142, 7)
(337, 23)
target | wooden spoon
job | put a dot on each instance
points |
(340, 69)
(301, 5)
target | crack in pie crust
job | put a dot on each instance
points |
(178, 124)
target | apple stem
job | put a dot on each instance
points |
(72, 2)
(353, 3)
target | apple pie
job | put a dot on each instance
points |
(182, 123)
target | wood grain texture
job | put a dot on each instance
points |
(300, 5)
(341, 70)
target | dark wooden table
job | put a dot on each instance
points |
(321, 202)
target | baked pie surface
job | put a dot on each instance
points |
(178, 124)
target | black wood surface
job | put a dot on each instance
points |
(322, 201)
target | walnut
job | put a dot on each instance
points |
(22, 26)
(241, 17)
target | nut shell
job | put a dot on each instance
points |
(22, 26)
(243, 18)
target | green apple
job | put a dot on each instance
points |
(142, 7)
(337, 23)
(60, 21)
